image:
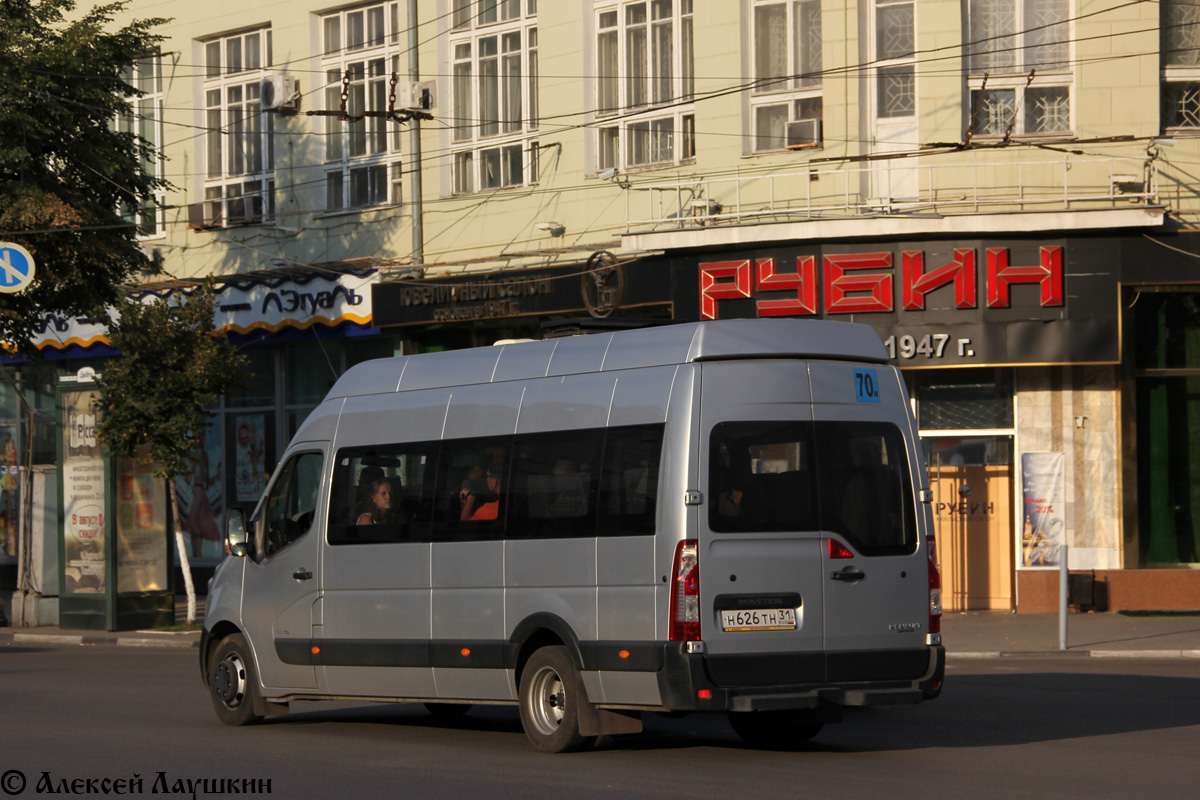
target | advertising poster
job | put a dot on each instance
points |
(141, 528)
(10, 499)
(250, 448)
(83, 496)
(201, 499)
(1043, 495)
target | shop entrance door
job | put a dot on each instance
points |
(972, 482)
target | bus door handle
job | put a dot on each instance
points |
(302, 574)
(848, 574)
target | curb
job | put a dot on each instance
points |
(981, 654)
(1146, 654)
(182, 641)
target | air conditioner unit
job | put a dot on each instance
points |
(279, 93)
(419, 96)
(803, 134)
(205, 215)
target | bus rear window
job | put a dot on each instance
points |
(847, 478)
(761, 477)
(865, 487)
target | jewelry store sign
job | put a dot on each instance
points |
(486, 298)
(480, 296)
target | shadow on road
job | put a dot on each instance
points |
(976, 710)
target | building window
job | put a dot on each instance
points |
(494, 86)
(964, 399)
(1180, 66)
(895, 46)
(786, 101)
(362, 157)
(1020, 74)
(645, 81)
(145, 120)
(239, 184)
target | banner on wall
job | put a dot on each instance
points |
(201, 501)
(83, 496)
(1043, 495)
(141, 528)
(250, 449)
(10, 494)
(242, 308)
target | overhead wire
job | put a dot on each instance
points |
(752, 84)
(835, 71)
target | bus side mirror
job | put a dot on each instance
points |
(235, 533)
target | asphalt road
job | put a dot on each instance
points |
(1050, 727)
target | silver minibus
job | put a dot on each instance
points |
(528, 524)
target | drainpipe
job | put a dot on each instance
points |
(414, 146)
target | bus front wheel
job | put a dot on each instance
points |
(232, 682)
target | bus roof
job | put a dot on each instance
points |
(605, 352)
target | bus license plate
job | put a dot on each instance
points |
(760, 619)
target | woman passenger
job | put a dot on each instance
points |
(377, 506)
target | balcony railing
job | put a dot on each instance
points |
(933, 186)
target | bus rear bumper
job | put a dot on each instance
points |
(685, 685)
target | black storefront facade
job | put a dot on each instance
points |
(1055, 378)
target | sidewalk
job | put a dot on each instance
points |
(991, 634)
(974, 634)
(48, 635)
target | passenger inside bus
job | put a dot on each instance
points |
(483, 504)
(376, 507)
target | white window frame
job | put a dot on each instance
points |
(773, 104)
(239, 157)
(644, 115)
(1008, 85)
(893, 68)
(493, 105)
(1181, 76)
(145, 118)
(363, 166)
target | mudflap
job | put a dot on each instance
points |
(595, 721)
(265, 708)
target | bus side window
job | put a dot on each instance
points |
(628, 502)
(555, 478)
(380, 494)
(471, 490)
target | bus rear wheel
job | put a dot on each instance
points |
(550, 694)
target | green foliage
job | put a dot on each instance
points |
(173, 366)
(65, 168)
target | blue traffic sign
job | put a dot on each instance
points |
(16, 268)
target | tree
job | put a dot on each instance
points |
(66, 171)
(156, 394)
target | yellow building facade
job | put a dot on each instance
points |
(1005, 189)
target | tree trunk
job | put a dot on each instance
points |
(185, 566)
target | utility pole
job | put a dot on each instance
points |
(414, 147)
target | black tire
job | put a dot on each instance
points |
(550, 694)
(776, 729)
(232, 682)
(447, 709)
